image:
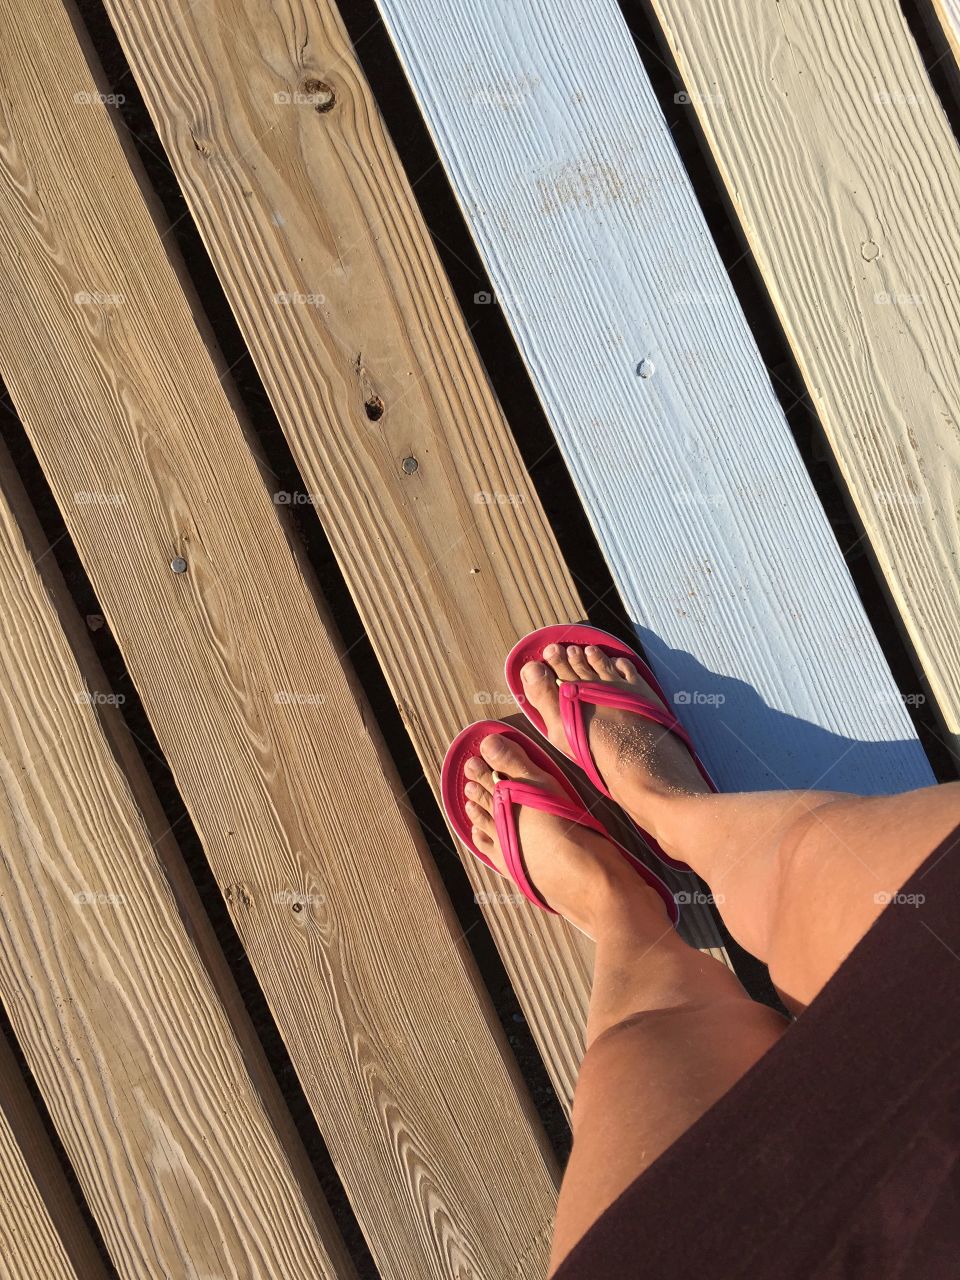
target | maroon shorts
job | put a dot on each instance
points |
(836, 1154)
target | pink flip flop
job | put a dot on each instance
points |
(509, 795)
(574, 693)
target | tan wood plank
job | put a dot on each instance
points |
(948, 12)
(166, 1117)
(845, 173)
(276, 755)
(327, 262)
(41, 1230)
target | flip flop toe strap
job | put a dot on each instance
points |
(508, 797)
(575, 693)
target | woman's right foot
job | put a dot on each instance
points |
(643, 764)
(576, 871)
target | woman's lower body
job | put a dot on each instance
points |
(799, 878)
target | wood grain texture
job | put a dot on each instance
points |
(845, 172)
(330, 887)
(566, 172)
(41, 1231)
(336, 285)
(112, 1004)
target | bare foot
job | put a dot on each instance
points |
(643, 764)
(577, 872)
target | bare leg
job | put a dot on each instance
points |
(799, 876)
(669, 1030)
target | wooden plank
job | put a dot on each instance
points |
(948, 13)
(313, 209)
(164, 1113)
(845, 172)
(331, 888)
(41, 1230)
(595, 244)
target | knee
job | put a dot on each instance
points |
(655, 1057)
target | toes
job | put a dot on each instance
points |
(509, 758)
(555, 655)
(600, 664)
(478, 771)
(540, 687)
(479, 795)
(482, 821)
(579, 662)
(486, 844)
(627, 671)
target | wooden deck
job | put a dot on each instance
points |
(143, 1129)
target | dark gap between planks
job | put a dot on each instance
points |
(937, 56)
